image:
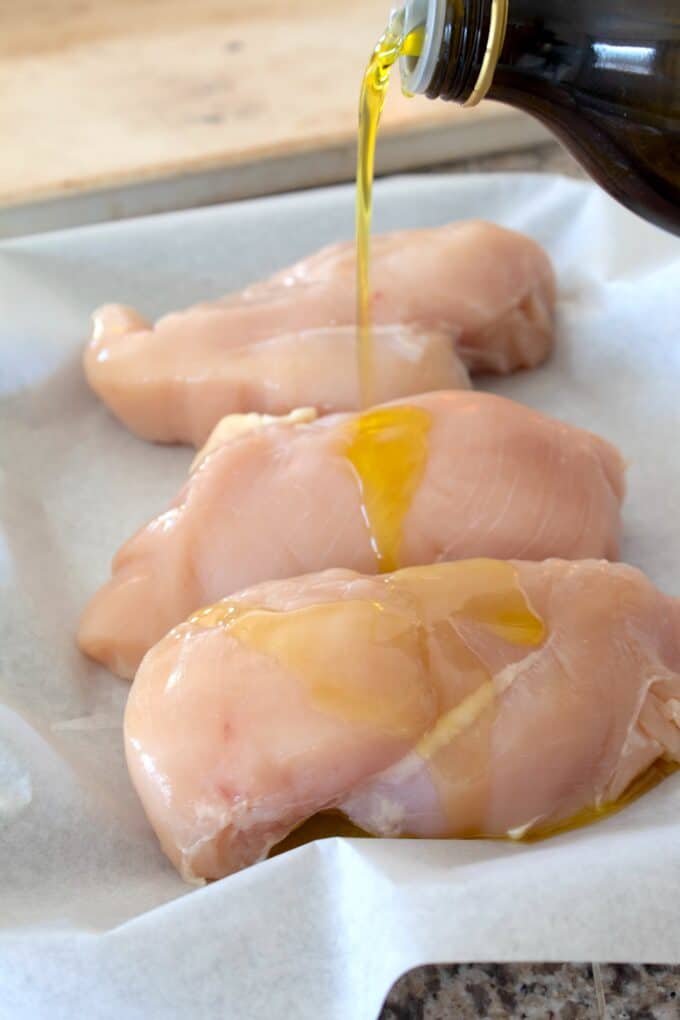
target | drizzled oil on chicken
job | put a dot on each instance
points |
(465, 295)
(441, 477)
(473, 698)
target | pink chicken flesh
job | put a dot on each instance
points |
(471, 698)
(479, 290)
(496, 479)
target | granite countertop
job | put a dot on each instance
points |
(546, 991)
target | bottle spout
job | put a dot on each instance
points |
(423, 29)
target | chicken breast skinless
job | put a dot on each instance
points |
(468, 294)
(443, 476)
(478, 698)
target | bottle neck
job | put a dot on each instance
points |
(602, 75)
(462, 42)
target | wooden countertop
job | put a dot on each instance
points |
(103, 95)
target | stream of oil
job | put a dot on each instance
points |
(388, 446)
(390, 47)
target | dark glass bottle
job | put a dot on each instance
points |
(602, 75)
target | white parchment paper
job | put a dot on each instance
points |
(93, 920)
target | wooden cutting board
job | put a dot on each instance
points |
(258, 95)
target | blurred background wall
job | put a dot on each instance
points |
(114, 108)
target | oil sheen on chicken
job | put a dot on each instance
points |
(464, 699)
(443, 477)
(468, 294)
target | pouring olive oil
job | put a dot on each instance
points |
(387, 447)
(392, 45)
(463, 53)
(603, 76)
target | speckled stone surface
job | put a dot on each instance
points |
(545, 991)
(494, 991)
(641, 993)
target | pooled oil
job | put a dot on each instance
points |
(388, 451)
(656, 773)
(332, 824)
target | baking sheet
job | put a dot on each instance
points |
(93, 920)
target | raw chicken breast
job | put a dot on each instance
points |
(440, 477)
(316, 367)
(474, 698)
(472, 287)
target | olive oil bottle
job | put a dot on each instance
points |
(602, 75)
